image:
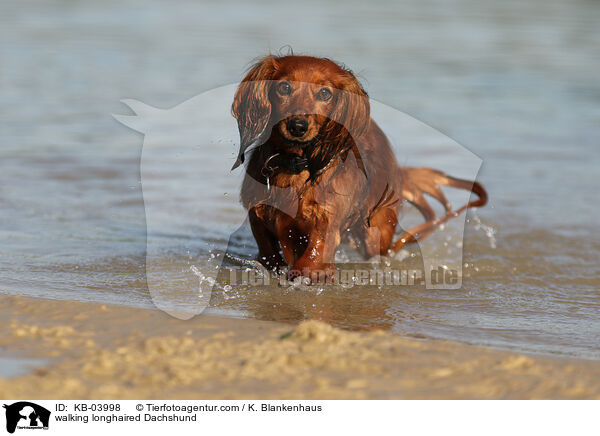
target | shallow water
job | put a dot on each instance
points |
(515, 84)
(16, 366)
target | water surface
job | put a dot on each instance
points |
(517, 84)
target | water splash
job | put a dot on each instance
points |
(489, 231)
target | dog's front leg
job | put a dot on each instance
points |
(268, 247)
(317, 260)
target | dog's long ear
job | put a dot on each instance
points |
(352, 112)
(251, 105)
(348, 120)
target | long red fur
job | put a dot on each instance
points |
(352, 187)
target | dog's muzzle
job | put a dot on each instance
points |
(297, 127)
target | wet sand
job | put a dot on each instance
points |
(97, 351)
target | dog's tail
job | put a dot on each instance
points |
(419, 181)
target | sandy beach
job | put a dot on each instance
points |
(95, 351)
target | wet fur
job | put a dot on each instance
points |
(353, 187)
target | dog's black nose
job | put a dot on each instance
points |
(297, 127)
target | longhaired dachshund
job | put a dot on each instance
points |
(320, 171)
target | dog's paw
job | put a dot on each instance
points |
(314, 274)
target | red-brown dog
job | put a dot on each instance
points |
(314, 149)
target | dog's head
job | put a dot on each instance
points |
(303, 99)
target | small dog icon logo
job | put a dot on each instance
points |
(26, 415)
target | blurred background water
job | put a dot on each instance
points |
(514, 82)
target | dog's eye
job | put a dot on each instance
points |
(324, 94)
(284, 88)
